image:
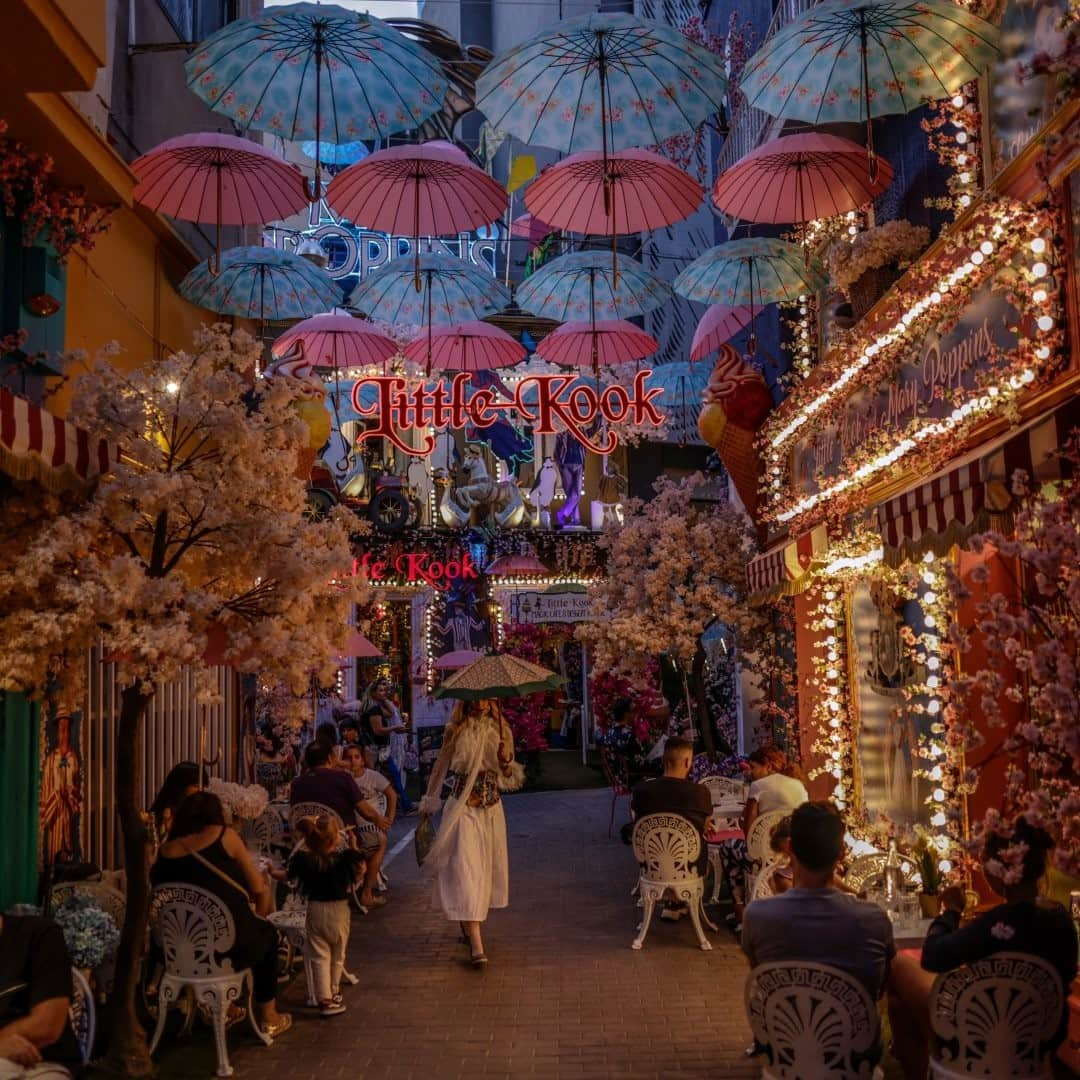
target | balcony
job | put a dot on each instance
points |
(61, 44)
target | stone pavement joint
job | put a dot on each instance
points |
(563, 998)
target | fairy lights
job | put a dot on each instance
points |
(1013, 235)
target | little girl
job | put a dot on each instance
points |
(326, 870)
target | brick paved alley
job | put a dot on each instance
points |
(564, 995)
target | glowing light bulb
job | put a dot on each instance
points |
(986, 247)
(929, 596)
(1039, 296)
(172, 388)
(1038, 245)
(1039, 270)
(958, 101)
(939, 795)
(1044, 323)
(928, 557)
(931, 621)
(933, 706)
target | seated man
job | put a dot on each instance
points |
(335, 788)
(36, 1039)
(371, 783)
(813, 921)
(673, 793)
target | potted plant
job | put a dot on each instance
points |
(867, 267)
(926, 858)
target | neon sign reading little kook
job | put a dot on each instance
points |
(560, 403)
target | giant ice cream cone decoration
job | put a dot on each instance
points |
(309, 395)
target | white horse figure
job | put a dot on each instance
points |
(481, 497)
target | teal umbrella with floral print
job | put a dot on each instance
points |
(262, 283)
(583, 285)
(846, 60)
(752, 272)
(317, 71)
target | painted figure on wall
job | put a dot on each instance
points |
(570, 457)
(61, 792)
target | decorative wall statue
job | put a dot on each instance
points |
(543, 493)
(61, 792)
(570, 457)
(421, 485)
(480, 500)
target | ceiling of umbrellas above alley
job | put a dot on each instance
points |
(605, 91)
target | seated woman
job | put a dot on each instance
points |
(1025, 923)
(183, 780)
(201, 851)
(776, 786)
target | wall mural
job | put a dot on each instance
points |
(60, 798)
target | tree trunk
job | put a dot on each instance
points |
(128, 1053)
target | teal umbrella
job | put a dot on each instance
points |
(846, 60)
(754, 272)
(583, 285)
(610, 81)
(683, 385)
(317, 71)
(451, 291)
(262, 283)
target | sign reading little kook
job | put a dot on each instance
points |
(944, 366)
(549, 607)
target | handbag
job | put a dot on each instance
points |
(384, 754)
(423, 839)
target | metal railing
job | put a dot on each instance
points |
(750, 127)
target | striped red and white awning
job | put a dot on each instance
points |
(36, 445)
(785, 569)
(935, 515)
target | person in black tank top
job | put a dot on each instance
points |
(201, 851)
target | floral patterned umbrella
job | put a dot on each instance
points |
(606, 81)
(317, 71)
(754, 271)
(262, 283)
(843, 60)
(583, 286)
(683, 385)
(451, 291)
(335, 154)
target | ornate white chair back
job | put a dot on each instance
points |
(267, 831)
(993, 1018)
(192, 926)
(817, 1022)
(666, 847)
(762, 887)
(725, 789)
(379, 802)
(757, 840)
(311, 809)
(83, 1014)
(107, 898)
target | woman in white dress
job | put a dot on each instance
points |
(469, 859)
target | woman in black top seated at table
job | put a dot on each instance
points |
(201, 851)
(1025, 923)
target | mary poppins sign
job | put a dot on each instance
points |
(549, 403)
(945, 368)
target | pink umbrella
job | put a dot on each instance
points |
(220, 178)
(515, 565)
(356, 645)
(717, 327)
(469, 346)
(646, 191)
(530, 227)
(428, 190)
(579, 344)
(335, 341)
(800, 178)
(452, 660)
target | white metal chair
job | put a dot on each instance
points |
(757, 839)
(83, 1014)
(364, 827)
(193, 928)
(762, 886)
(724, 790)
(993, 1018)
(266, 832)
(311, 809)
(816, 1022)
(666, 847)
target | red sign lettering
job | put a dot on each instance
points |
(418, 408)
(418, 567)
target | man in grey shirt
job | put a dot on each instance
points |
(813, 921)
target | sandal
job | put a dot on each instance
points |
(479, 960)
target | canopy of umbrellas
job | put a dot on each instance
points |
(597, 88)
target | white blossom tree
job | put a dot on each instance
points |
(675, 566)
(199, 532)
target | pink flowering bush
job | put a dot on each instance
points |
(894, 243)
(1030, 638)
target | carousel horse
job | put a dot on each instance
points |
(480, 497)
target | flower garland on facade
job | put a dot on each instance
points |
(1022, 242)
(28, 193)
(896, 243)
(952, 129)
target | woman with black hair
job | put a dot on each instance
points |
(1014, 866)
(183, 780)
(201, 851)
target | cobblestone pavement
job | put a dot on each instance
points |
(564, 996)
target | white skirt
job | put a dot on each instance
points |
(474, 874)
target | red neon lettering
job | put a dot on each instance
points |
(400, 408)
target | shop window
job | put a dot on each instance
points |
(194, 20)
